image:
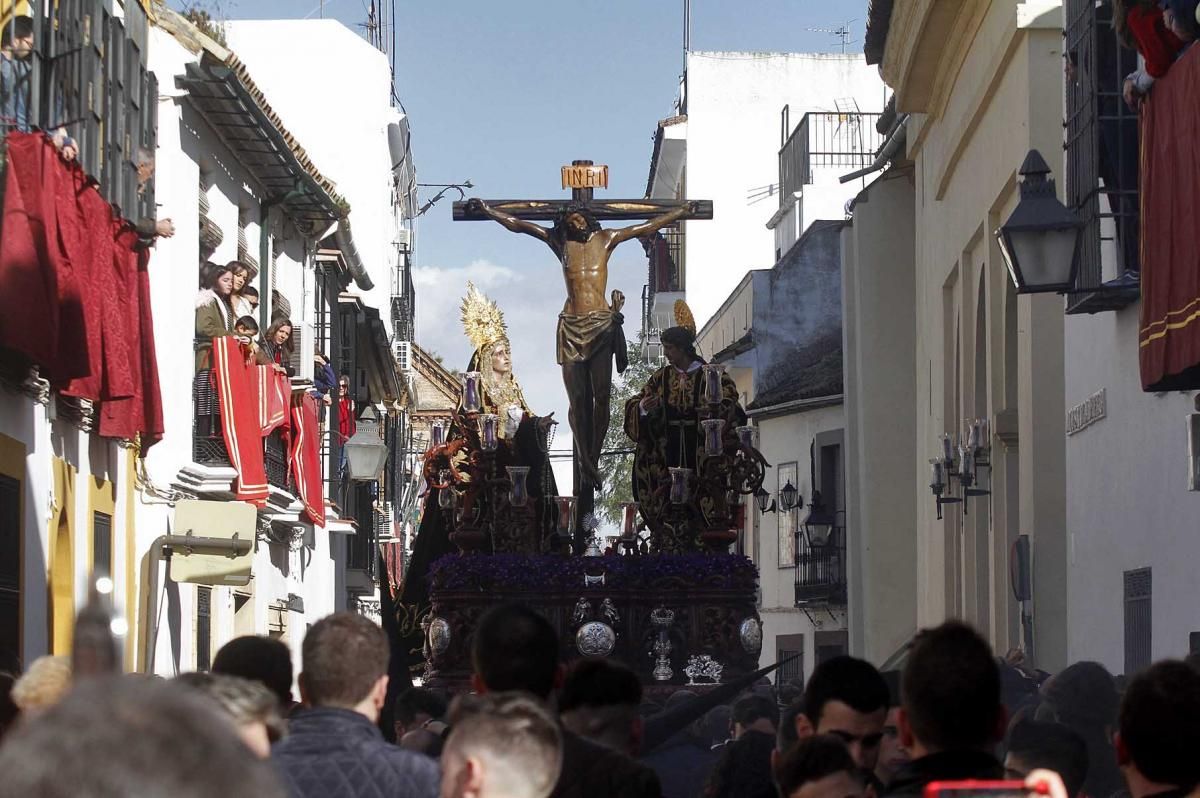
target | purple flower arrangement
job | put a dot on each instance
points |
(545, 573)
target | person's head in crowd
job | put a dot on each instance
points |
(241, 275)
(599, 700)
(892, 753)
(9, 712)
(819, 766)
(218, 279)
(514, 648)
(950, 693)
(246, 325)
(1083, 697)
(344, 662)
(136, 737)
(250, 294)
(260, 659)
(501, 745)
(753, 713)
(428, 741)
(145, 167)
(415, 707)
(787, 736)
(45, 682)
(846, 697)
(17, 38)
(744, 769)
(715, 724)
(1034, 744)
(279, 334)
(1179, 16)
(1158, 729)
(253, 708)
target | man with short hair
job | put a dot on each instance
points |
(16, 50)
(753, 713)
(1158, 729)
(418, 717)
(892, 753)
(846, 697)
(599, 701)
(260, 659)
(502, 745)
(1034, 744)
(133, 736)
(334, 748)
(951, 716)
(819, 766)
(514, 648)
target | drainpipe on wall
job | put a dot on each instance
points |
(889, 149)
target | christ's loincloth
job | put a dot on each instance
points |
(582, 337)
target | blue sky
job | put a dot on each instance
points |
(504, 93)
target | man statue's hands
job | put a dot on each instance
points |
(476, 205)
(618, 301)
(693, 207)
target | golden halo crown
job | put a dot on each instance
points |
(482, 319)
(684, 317)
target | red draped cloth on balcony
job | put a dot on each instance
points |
(41, 315)
(235, 377)
(1169, 340)
(274, 395)
(141, 412)
(306, 458)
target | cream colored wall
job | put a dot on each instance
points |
(990, 91)
(730, 322)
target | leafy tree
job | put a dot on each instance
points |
(617, 469)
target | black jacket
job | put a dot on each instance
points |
(944, 766)
(593, 771)
(338, 753)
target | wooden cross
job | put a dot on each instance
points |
(577, 177)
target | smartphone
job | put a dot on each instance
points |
(969, 788)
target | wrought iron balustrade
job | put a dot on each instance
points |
(821, 571)
(826, 140)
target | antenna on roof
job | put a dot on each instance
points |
(842, 31)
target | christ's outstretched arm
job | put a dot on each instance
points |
(650, 225)
(511, 222)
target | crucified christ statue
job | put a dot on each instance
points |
(589, 327)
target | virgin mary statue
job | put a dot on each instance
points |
(523, 441)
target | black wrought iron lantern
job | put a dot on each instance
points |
(1040, 240)
(366, 453)
(789, 496)
(819, 524)
(763, 501)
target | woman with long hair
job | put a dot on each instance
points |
(277, 344)
(214, 311)
(242, 275)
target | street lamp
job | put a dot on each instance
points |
(366, 452)
(788, 496)
(1040, 240)
(818, 526)
(761, 499)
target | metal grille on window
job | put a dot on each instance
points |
(10, 565)
(1102, 157)
(787, 647)
(243, 243)
(203, 628)
(210, 234)
(1138, 586)
(101, 545)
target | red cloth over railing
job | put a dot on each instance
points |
(235, 377)
(74, 291)
(1169, 338)
(306, 458)
(274, 396)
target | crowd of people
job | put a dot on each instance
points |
(532, 727)
(227, 305)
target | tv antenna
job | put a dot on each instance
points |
(842, 31)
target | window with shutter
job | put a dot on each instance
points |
(10, 571)
(1137, 620)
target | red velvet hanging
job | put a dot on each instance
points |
(236, 382)
(306, 458)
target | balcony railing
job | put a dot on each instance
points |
(826, 140)
(1102, 156)
(821, 571)
(208, 441)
